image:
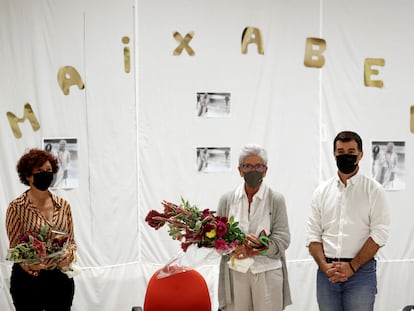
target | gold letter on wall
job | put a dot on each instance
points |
(127, 55)
(28, 114)
(313, 56)
(368, 71)
(252, 35)
(412, 119)
(183, 43)
(68, 76)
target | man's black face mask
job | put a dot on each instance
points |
(346, 163)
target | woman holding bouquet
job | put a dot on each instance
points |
(40, 283)
(255, 277)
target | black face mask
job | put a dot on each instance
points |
(253, 179)
(346, 163)
(42, 180)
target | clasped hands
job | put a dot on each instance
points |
(245, 250)
(338, 271)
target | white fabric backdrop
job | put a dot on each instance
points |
(138, 132)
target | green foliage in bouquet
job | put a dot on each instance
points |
(191, 226)
(34, 247)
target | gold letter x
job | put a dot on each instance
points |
(183, 43)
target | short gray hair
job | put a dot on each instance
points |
(252, 150)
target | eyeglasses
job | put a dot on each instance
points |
(251, 167)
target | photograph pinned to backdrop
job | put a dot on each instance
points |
(213, 105)
(66, 151)
(388, 164)
(213, 159)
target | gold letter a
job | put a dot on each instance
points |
(252, 35)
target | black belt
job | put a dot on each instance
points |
(330, 260)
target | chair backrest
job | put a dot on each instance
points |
(183, 291)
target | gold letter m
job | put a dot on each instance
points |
(28, 114)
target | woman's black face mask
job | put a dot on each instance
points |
(42, 180)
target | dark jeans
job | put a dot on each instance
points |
(51, 290)
(358, 293)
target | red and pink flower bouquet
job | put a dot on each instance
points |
(189, 225)
(35, 247)
(193, 227)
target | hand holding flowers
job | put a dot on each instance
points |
(39, 250)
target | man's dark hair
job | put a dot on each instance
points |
(346, 136)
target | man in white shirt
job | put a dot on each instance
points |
(349, 222)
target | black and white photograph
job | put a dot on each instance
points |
(388, 164)
(66, 152)
(213, 105)
(213, 160)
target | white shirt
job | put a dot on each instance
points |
(343, 218)
(254, 222)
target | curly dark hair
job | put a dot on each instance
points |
(32, 159)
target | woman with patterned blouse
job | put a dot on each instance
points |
(41, 286)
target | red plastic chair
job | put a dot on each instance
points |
(183, 291)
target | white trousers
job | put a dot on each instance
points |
(257, 292)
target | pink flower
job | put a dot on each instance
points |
(234, 244)
(40, 247)
(220, 244)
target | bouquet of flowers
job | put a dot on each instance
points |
(35, 247)
(202, 228)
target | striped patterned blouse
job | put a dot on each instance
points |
(22, 216)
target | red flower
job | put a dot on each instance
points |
(170, 209)
(155, 219)
(221, 228)
(185, 245)
(222, 219)
(59, 242)
(208, 227)
(25, 237)
(206, 213)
